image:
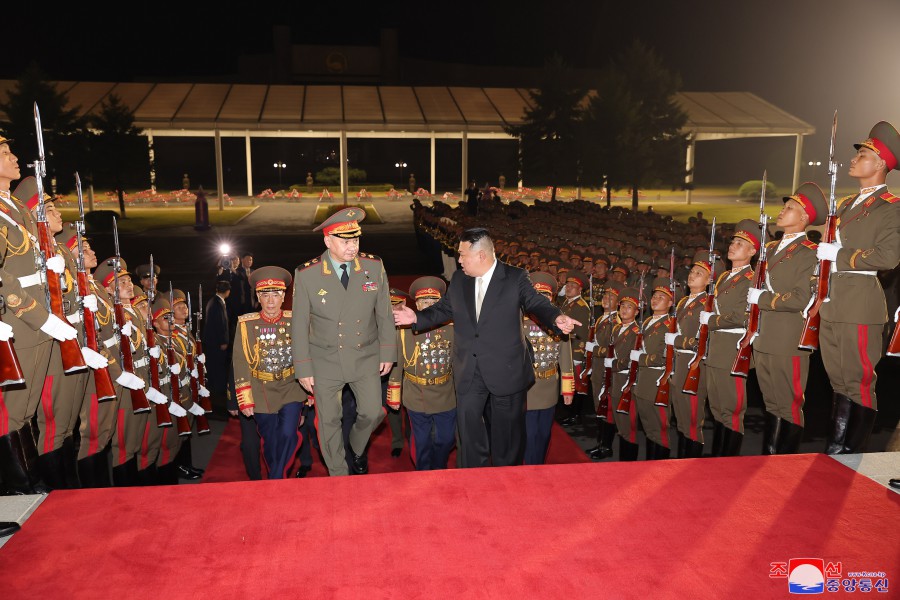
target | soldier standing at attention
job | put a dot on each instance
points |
(264, 372)
(423, 380)
(603, 337)
(868, 240)
(624, 336)
(781, 367)
(343, 333)
(575, 307)
(728, 394)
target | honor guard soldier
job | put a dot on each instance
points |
(690, 409)
(423, 381)
(553, 373)
(651, 359)
(343, 333)
(599, 348)
(868, 241)
(577, 308)
(727, 394)
(624, 336)
(264, 371)
(395, 416)
(185, 465)
(781, 367)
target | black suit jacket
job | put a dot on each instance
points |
(215, 330)
(496, 344)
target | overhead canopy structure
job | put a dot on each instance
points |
(252, 110)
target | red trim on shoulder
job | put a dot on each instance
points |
(889, 198)
(809, 244)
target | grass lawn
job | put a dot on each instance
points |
(145, 219)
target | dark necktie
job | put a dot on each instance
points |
(345, 277)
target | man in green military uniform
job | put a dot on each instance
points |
(264, 372)
(781, 367)
(577, 308)
(868, 241)
(343, 333)
(423, 381)
(600, 347)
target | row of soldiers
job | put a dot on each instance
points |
(92, 368)
(611, 251)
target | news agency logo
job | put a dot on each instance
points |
(806, 576)
(815, 576)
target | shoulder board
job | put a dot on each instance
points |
(749, 274)
(581, 302)
(889, 198)
(308, 264)
(286, 313)
(772, 244)
(634, 327)
(681, 302)
(647, 320)
(722, 277)
(809, 244)
(843, 200)
(248, 317)
(369, 256)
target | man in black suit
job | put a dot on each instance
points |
(492, 360)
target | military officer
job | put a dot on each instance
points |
(423, 381)
(868, 240)
(600, 347)
(727, 394)
(554, 376)
(264, 372)
(343, 333)
(395, 416)
(781, 367)
(577, 308)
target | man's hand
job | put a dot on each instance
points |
(705, 316)
(566, 323)
(567, 399)
(670, 338)
(827, 251)
(6, 332)
(248, 412)
(58, 329)
(403, 315)
(753, 295)
(386, 368)
(233, 413)
(223, 346)
(308, 383)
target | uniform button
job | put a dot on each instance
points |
(475, 355)
(339, 324)
(358, 333)
(358, 321)
(476, 335)
(340, 335)
(359, 345)
(340, 347)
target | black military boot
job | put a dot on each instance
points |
(52, 470)
(70, 463)
(682, 445)
(650, 449)
(789, 438)
(86, 472)
(718, 435)
(28, 438)
(771, 427)
(101, 468)
(662, 452)
(694, 449)
(627, 451)
(167, 474)
(148, 476)
(605, 436)
(862, 420)
(12, 463)
(125, 475)
(185, 467)
(731, 442)
(840, 414)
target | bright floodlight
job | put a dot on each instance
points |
(224, 249)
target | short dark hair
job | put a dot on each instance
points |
(222, 286)
(246, 254)
(474, 235)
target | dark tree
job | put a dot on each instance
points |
(119, 155)
(550, 134)
(63, 130)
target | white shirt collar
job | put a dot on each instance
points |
(787, 239)
(486, 278)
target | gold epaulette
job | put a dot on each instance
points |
(772, 244)
(681, 302)
(844, 199)
(308, 264)
(287, 313)
(369, 256)
(581, 302)
(889, 197)
(248, 317)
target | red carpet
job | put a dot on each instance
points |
(707, 528)
(226, 463)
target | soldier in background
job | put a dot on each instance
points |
(599, 347)
(577, 308)
(624, 336)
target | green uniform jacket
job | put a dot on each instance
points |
(341, 334)
(870, 239)
(552, 354)
(263, 368)
(731, 314)
(603, 337)
(687, 312)
(654, 356)
(425, 356)
(581, 312)
(789, 279)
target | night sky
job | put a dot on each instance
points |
(808, 57)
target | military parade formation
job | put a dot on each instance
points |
(657, 322)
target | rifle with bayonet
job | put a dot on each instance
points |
(592, 330)
(663, 386)
(163, 418)
(626, 398)
(184, 425)
(202, 422)
(70, 351)
(103, 383)
(205, 403)
(692, 380)
(809, 337)
(741, 366)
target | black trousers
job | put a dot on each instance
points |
(500, 443)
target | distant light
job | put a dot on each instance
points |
(224, 249)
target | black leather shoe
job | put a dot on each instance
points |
(599, 453)
(186, 473)
(569, 421)
(894, 483)
(302, 471)
(360, 464)
(8, 528)
(395, 452)
(196, 470)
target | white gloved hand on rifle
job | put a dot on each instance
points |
(705, 316)
(195, 373)
(58, 329)
(57, 264)
(753, 295)
(203, 392)
(196, 410)
(827, 251)
(635, 354)
(154, 352)
(670, 339)
(608, 363)
(6, 332)
(201, 358)
(176, 410)
(94, 359)
(156, 397)
(127, 329)
(90, 302)
(130, 381)
(175, 368)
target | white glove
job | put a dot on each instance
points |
(635, 354)
(58, 329)
(90, 302)
(827, 251)
(589, 346)
(130, 381)
(704, 317)
(195, 373)
(608, 363)
(670, 339)
(176, 410)
(127, 329)
(196, 410)
(174, 368)
(57, 264)
(154, 352)
(897, 315)
(93, 359)
(201, 358)
(6, 332)
(155, 396)
(753, 295)
(203, 392)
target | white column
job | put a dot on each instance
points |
(344, 174)
(152, 159)
(798, 154)
(249, 161)
(465, 161)
(220, 179)
(689, 168)
(433, 163)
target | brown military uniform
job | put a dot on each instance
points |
(553, 367)
(655, 419)
(624, 335)
(603, 337)
(689, 410)
(423, 376)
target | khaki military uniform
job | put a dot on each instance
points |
(603, 337)
(689, 410)
(177, 389)
(579, 310)
(652, 363)
(625, 336)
